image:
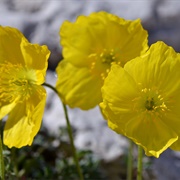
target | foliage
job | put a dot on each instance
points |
(49, 158)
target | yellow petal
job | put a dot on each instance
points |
(108, 115)
(73, 46)
(15, 49)
(6, 107)
(89, 36)
(125, 101)
(119, 90)
(161, 60)
(25, 119)
(10, 45)
(35, 57)
(151, 133)
(78, 88)
(118, 106)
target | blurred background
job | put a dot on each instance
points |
(102, 152)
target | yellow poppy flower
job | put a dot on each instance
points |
(22, 67)
(90, 46)
(142, 100)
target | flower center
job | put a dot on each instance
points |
(153, 101)
(102, 61)
(107, 56)
(16, 82)
(149, 104)
(21, 82)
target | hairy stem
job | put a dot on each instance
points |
(130, 161)
(69, 132)
(1, 161)
(140, 164)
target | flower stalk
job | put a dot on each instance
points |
(130, 161)
(140, 164)
(1, 161)
(87, 57)
(69, 133)
(22, 96)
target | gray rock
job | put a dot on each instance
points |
(40, 22)
(91, 129)
(167, 166)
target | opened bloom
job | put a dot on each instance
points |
(90, 46)
(142, 100)
(22, 67)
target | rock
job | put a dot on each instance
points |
(167, 166)
(91, 129)
(165, 23)
(40, 20)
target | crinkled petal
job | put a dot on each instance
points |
(78, 88)
(117, 105)
(102, 31)
(25, 120)
(160, 68)
(74, 40)
(126, 115)
(6, 107)
(10, 45)
(35, 57)
(108, 115)
(135, 44)
(119, 90)
(151, 133)
(176, 145)
(172, 120)
(15, 49)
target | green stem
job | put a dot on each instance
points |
(139, 166)
(15, 166)
(1, 161)
(130, 160)
(69, 132)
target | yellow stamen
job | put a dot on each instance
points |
(16, 82)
